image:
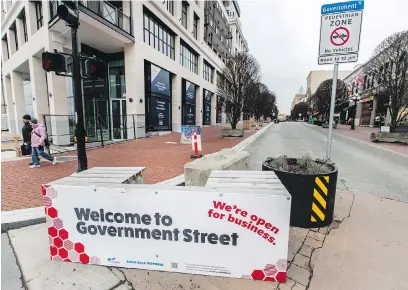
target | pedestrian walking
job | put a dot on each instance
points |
(26, 132)
(38, 139)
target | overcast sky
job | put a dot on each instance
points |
(284, 37)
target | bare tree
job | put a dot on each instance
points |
(390, 64)
(238, 85)
(321, 98)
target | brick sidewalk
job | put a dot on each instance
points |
(21, 186)
(363, 134)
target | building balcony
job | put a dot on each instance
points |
(110, 13)
(104, 25)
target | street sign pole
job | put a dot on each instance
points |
(340, 29)
(333, 97)
(80, 128)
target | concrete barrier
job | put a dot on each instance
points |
(197, 172)
(232, 132)
(390, 137)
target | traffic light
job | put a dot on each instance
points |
(53, 62)
(66, 11)
(95, 68)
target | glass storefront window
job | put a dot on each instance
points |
(28, 99)
(117, 83)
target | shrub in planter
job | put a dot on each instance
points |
(312, 184)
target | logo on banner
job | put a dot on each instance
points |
(145, 263)
(160, 80)
(113, 260)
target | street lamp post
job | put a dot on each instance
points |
(352, 127)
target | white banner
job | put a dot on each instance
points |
(237, 233)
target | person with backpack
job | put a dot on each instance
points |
(38, 142)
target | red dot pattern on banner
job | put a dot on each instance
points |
(270, 273)
(61, 248)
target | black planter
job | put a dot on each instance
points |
(313, 196)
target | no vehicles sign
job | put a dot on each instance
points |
(340, 32)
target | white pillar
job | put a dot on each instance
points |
(58, 129)
(176, 103)
(373, 112)
(177, 10)
(11, 117)
(38, 87)
(199, 106)
(11, 42)
(359, 108)
(190, 20)
(4, 51)
(135, 90)
(176, 83)
(17, 89)
(20, 31)
(214, 109)
(126, 5)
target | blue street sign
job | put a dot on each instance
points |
(342, 7)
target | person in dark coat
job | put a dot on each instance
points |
(26, 132)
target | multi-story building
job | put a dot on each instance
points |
(299, 97)
(365, 98)
(162, 60)
(315, 78)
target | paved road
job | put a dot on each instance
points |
(362, 168)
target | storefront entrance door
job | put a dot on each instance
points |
(97, 120)
(118, 119)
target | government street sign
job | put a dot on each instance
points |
(340, 30)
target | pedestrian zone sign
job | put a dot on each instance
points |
(340, 32)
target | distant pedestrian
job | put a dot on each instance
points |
(26, 132)
(38, 137)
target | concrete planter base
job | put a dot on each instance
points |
(232, 132)
(390, 137)
(197, 172)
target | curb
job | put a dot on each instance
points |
(366, 143)
(19, 218)
(179, 180)
(248, 141)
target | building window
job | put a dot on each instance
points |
(23, 19)
(25, 30)
(158, 36)
(39, 14)
(188, 58)
(195, 26)
(184, 14)
(170, 6)
(208, 72)
(117, 82)
(28, 99)
(13, 27)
